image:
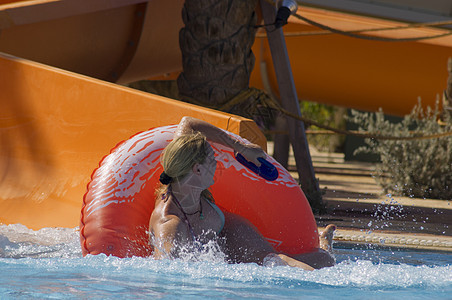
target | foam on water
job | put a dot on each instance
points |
(48, 264)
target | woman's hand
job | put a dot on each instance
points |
(251, 152)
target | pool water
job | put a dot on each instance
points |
(48, 264)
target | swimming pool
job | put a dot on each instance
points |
(48, 264)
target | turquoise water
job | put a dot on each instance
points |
(47, 264)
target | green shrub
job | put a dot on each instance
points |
(419, 168)
(328, 115)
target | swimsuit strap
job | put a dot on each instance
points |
(185, 215)
(220, 214)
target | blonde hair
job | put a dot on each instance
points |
(180, 155)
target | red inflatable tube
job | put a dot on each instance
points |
(120, 198)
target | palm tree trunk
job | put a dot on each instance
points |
(216, 49)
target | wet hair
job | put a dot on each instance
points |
(179, 157)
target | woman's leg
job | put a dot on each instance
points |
(243, 243)
(323, 256)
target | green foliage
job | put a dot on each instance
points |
(420, 168)
(325, 114)
(322, 113)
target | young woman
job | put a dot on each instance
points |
(185, 212)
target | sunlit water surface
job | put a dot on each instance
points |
(48, 264)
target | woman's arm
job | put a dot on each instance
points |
(168, 236)
(250, 151)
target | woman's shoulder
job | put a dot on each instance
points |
(162, 220)
(169, 226)
(164, 211)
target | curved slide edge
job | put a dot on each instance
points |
(56, 125)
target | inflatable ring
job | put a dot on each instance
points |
(120, 198)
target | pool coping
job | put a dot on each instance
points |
(393, 239)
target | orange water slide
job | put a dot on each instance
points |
(61, 111)
(55, 127)
(362, 74)
(115, 40)
(126, 40)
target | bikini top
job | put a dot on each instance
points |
(220, 213)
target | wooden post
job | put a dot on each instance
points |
(281, 142)
(289, 101)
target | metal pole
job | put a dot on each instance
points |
(289, 101)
